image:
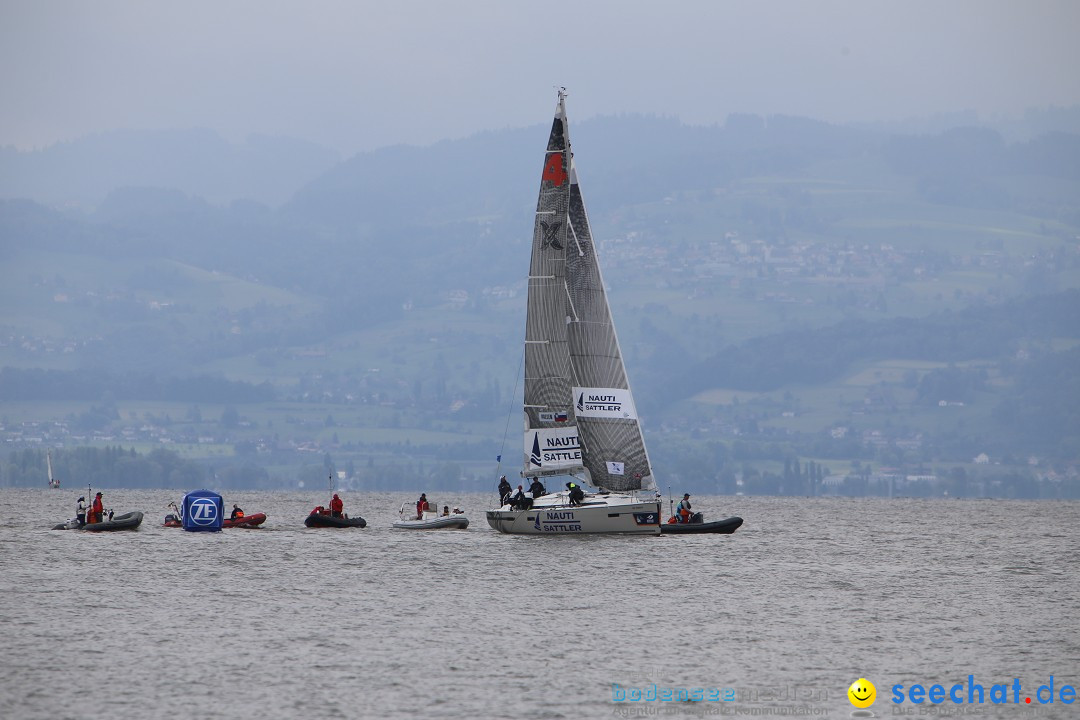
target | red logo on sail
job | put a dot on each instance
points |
(553, 169)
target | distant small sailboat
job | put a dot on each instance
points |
(53, 482)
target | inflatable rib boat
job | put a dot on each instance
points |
(127, 521)
(720, 527)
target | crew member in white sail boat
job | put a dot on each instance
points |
(577, 495)
(537, 488)
(504, 490)
(521, 499)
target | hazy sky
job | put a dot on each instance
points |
(363, 74)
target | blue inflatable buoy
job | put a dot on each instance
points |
(203, 511)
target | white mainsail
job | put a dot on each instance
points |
(551, 445)
(580, 416)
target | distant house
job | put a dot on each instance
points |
(981, 459)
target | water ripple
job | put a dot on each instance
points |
(810, 594)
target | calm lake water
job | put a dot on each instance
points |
(286, 622)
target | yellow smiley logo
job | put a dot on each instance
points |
(862, 693)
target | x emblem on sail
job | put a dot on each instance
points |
(553, 169)
(551, 235)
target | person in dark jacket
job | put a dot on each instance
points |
(519, 499)
(577, 495)
(504, 490)
(537, 488)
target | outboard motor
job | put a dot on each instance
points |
(203, 511)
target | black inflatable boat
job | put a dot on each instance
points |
(319, 520)
(127, 521)
(721, 527)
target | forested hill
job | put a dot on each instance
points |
(801, 357)
(831, 279)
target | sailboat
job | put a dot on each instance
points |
(580, 418)
(53, 482)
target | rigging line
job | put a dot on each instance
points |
(573, 309)
(513, 399)
(580, 252)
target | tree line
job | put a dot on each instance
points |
(91, 385)
(100, 468)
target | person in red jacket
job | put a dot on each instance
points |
(97, 509)
(421, 506)
(336, 506)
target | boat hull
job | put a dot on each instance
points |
(452, 522)
(248, 521)
(716, 527)
(554, 515)
(127, 521)
(328, 521)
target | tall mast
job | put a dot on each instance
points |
(550, 439)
